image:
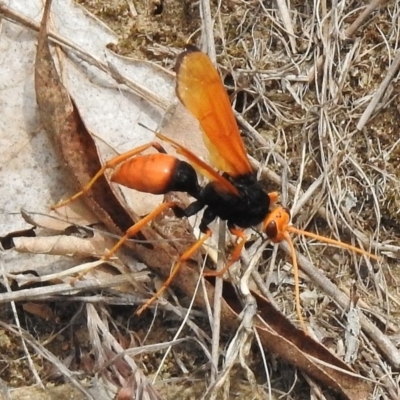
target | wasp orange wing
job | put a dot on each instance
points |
(201, 91)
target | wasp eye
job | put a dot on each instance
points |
(271, 230)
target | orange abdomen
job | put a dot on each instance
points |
(151, 173)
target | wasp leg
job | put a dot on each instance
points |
(134, 229)
(175, 269)
(273, 197)
(234, 256)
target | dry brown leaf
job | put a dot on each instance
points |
(72, 214)
(40, 310)
(76, 147)
(62, 121)
(64, 245)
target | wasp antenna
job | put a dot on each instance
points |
(146, 127)
(296, 280)
(331, 241)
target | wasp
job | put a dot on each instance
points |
(232, 193)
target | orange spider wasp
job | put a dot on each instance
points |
(234, 195)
